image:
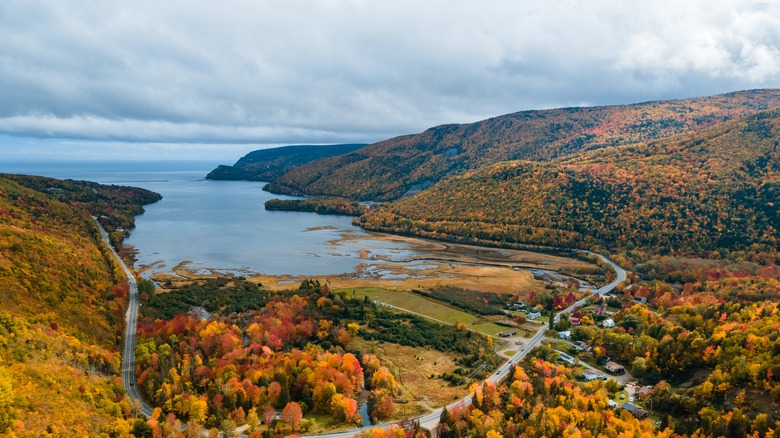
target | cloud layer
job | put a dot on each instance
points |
(330, 71)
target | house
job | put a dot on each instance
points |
(635, 410)
(566, 358)
(614, 368)
(581, 346)
(519, 304)
(612, 404)
(534, 315)
(574, 320)
(640, 300)
(644, 392)
(590, 375)
(608, 323)
(566, 334)
(507, 333)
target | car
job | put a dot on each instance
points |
(132, 384)
(631, 399)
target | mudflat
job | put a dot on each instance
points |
(434, 264)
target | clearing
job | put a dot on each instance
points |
(440, 312)
(413, 368)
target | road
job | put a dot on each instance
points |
(131, 318)
(431, 420)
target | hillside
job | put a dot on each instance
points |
(717, 190)
(63, 304)
(269, 164)
(390, 169)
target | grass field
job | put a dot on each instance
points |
(427, 308)
(414, 368)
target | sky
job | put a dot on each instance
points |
(145, 79)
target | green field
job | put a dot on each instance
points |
(427, 308)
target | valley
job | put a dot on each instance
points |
(480, 298)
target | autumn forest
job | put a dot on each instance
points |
(683, 195)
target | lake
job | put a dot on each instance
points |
(223, 225)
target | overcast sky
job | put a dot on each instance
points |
(206, 79)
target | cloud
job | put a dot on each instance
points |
(350, 70)
(161, 130)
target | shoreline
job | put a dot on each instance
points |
(434, 264)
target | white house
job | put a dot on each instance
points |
(566, 358)
(608, 323)
(590, 375)
(564, 334)
(534, 315)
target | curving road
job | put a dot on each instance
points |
(131, 318)
(431, 421)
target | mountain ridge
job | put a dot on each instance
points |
(389, 169)
(691, 194)
(269, 164)
(63, 304)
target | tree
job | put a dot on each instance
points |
(564, 323)
(292, 414)
(382, 404)
(445, 424)
(142, 429)
(383, 379)
(321, 395)
(194, 430)
(199, 410)
(228, 428)
(6, 395)
(639, 367)
(252, 419)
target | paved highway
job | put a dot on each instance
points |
(431, 420)
(131, 318)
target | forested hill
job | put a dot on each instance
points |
(269, 164)
(63, 300)
(717, 190)
(392, 168)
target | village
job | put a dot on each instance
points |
(577, 353)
